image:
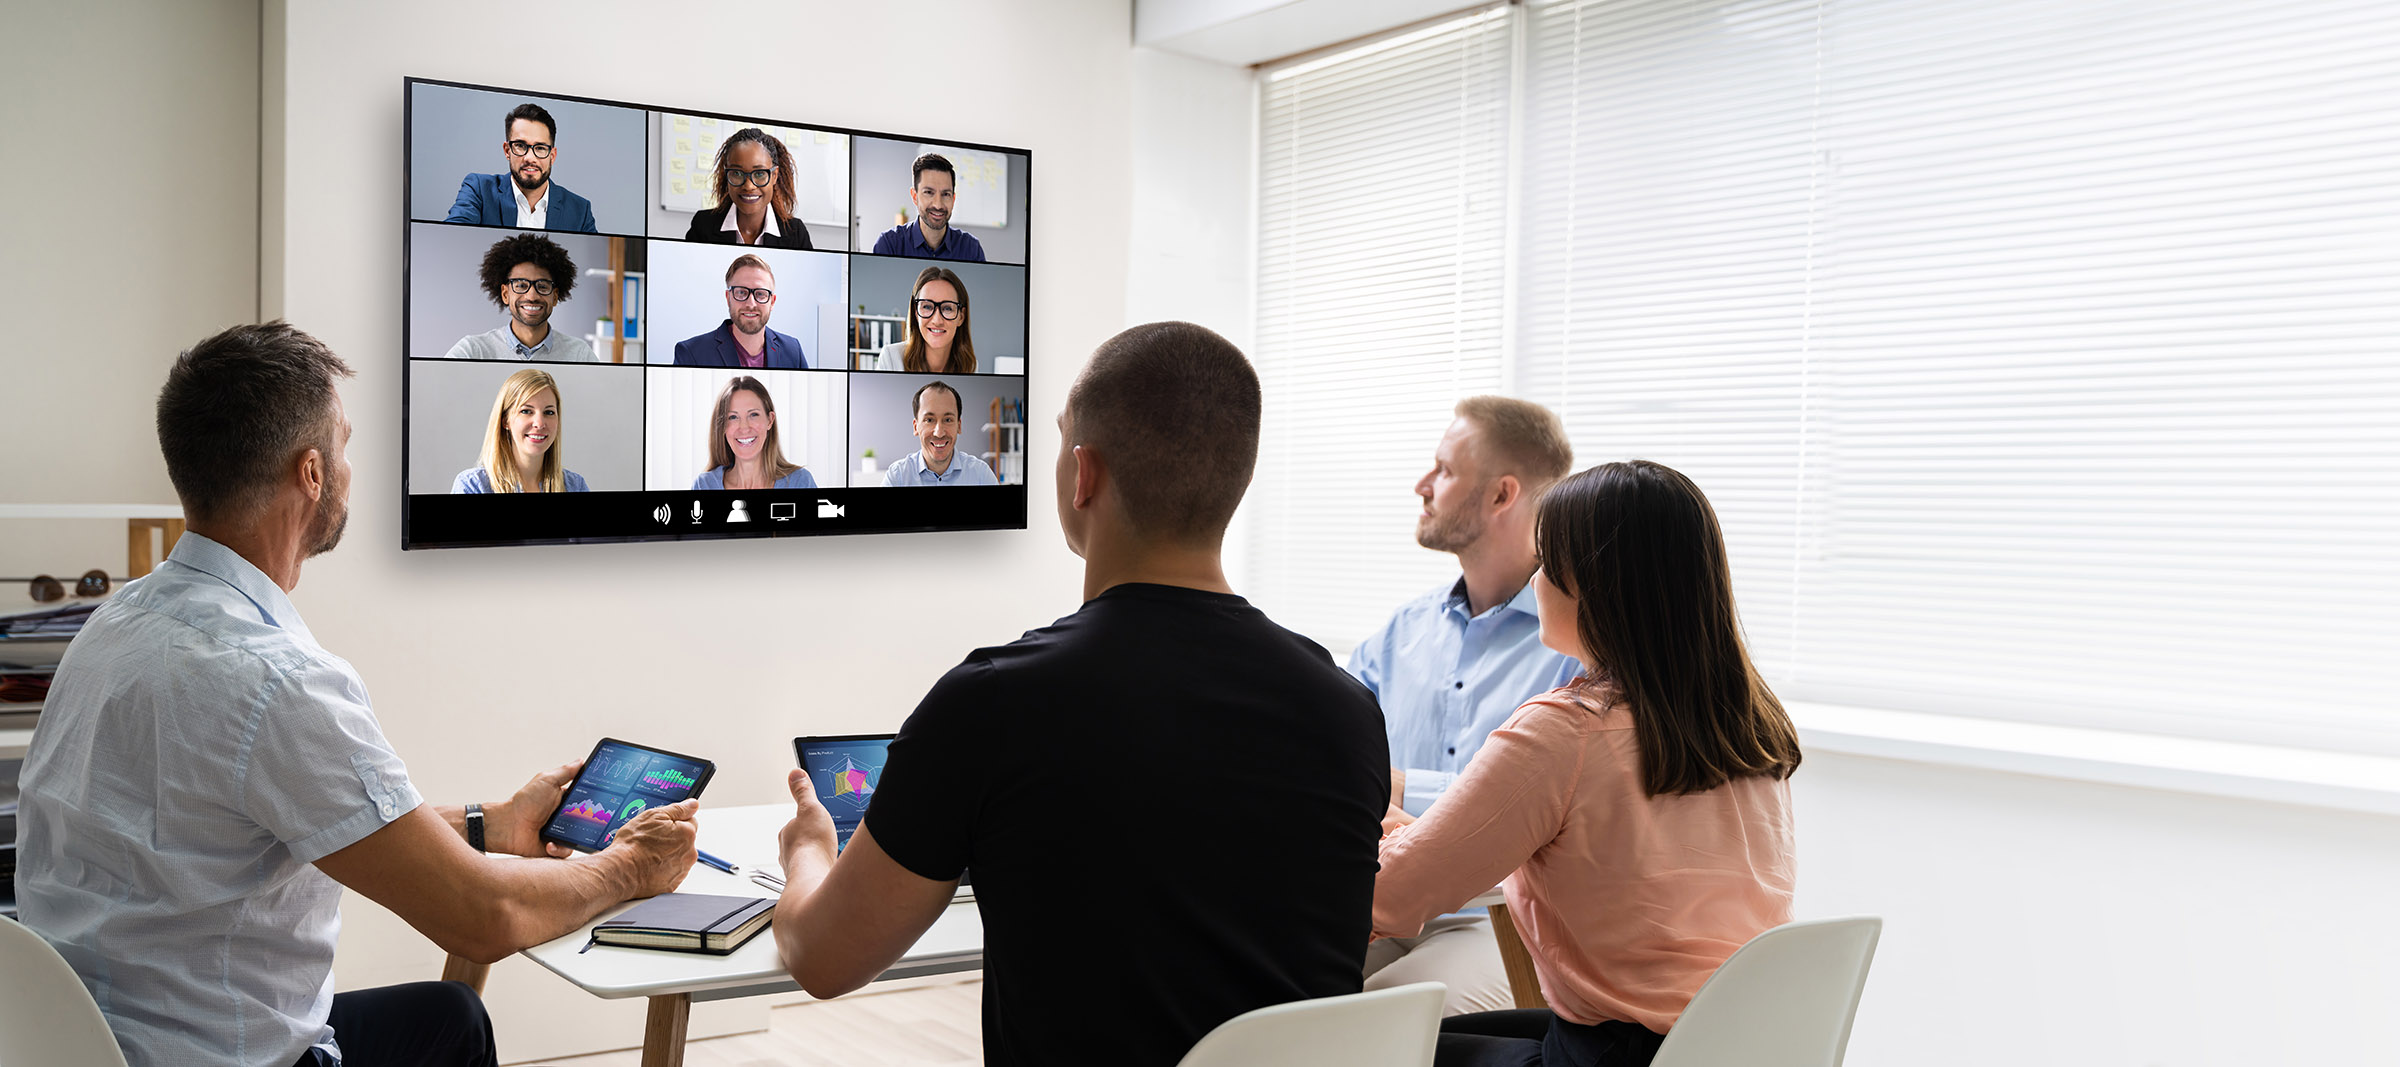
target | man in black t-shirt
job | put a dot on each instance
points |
(1170, 803)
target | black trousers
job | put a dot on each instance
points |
(1537, 1038)
(438, 1024)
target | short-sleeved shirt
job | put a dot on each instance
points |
(907, 239)
(1447, 678)
(479, 480)
(198, 751)
(502, 343)
(1171, 806)
(964, 470)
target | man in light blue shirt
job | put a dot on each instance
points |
(206, 777)
(933, 417)
(1452, 665)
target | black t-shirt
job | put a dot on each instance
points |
(1171, 806)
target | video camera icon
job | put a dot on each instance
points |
(827, 509)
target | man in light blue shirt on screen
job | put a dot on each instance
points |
(207, 778)
(1452, 665)
(933, 417)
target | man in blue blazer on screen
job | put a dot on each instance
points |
(744, 340)
(524, 197)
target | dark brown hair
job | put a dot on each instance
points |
(238, 407)
(783, 194)
(1174, 410)
(1639, 548)
(962, 346)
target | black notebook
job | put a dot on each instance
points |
(687, 922)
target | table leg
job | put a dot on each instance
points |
(461, 969)
(662, 1040)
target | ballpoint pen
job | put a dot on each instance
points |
(718, 864)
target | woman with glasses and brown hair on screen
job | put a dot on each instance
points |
(755, 194)
(937, 341)
(521, 453)
(744, 449)
(1638, 818)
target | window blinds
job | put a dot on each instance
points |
(1381, 222)
(2042, 358)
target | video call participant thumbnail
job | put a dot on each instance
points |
(523, 195)
(521, 451)
(1024, 760)
(937, 341)
(755, 193)
(528, 276)
(933, 417)
(933, 191)
(744, 449)
(743, 339)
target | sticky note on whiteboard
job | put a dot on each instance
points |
(678, 185)
(683, 124)
(683, 146)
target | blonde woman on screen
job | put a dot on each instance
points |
(521, 453)
(937, 341)
(744, 449)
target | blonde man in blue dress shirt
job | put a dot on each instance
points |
(207, 777)
(1452, 665)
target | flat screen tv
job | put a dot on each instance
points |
(634, 322)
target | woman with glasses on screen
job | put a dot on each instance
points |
(744, 451)
(937, 341)
(755, 193)
(1637, 818)
(520, 442)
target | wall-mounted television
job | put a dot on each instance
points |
(636, 322)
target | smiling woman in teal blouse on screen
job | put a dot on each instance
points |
(744, 450)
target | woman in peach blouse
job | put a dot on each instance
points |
(1638, 820)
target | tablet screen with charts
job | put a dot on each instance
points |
(619, 781)
(845, 770)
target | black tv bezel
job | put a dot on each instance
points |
(623, 516)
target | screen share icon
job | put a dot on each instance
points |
(783, 511)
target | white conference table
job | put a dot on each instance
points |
(745, 836)
(673, 980)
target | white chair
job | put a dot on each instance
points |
(1385, 1028)
(1783, 1000)
(46, 1015)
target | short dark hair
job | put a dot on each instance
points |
(916, 400)
(531, 113)
(532, 248)
(1639, 548)
(237, 407)
(931, 161)
(1174, 410)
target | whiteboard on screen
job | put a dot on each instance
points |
(687, 161)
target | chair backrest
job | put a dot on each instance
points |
(1783, 1000)
(1384, 1028)
(46, 1015)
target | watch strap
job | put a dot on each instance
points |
(475, 826)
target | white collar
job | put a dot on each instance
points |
(734, 227)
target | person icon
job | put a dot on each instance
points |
(740, 512)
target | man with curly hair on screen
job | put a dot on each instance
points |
(527, 275)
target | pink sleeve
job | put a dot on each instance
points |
(1509, 802)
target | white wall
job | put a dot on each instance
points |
(128, 230)
(488, 664)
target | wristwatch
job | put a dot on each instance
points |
(475, 826)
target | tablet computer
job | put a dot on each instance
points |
(846, 770)
(620, 780)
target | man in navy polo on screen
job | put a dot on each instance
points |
(933, 189)
(524, 196)
(743, 339)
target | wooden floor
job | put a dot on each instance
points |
(936, 1021)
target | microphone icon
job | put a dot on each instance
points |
(695, 511)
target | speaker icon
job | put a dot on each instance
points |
(665, 515)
